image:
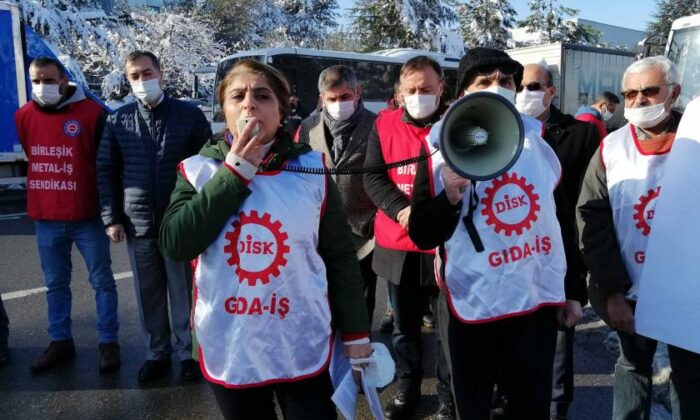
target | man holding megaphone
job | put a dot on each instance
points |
(408, 270)
(493, 209)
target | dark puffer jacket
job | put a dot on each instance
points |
(138, 158)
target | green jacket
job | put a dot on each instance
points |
(194, 220)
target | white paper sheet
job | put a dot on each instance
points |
(375, 405)
(345, 396)
(668, 305)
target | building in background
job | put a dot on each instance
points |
(611, 36)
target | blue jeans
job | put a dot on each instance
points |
(55, 240)
(4, 323)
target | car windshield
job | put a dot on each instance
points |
(684, 50)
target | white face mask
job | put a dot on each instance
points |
(508, 94)
(46, 94)
(340, 111)
(420, 106)
(648, 116)
(607, 115)
(531, 102)
(148, 91)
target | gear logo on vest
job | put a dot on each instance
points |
(510, 204)
(644, 210)
(71, 128)
(257, 247)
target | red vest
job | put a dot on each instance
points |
(62, 152)
(600, 125)
(399, 140)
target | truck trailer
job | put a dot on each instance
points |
(580, 72)
(15, 92)
(19, 45)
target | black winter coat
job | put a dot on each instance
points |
(138, 158)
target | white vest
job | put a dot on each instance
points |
(523, 264)
(261, 310)
(634, 183)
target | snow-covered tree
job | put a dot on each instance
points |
(420, 24)
(552, 22)
(93, 46)
(668, 11)
(434, 19)
(183, 42)
(244, 24)
(342, 39)
(486, 23)
(307, 23)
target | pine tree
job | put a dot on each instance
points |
(548, 18)
(244, 24)
(668, 11)
(307, 23)
(434, 17)
(485, 23)
(94, 48)
(420, 24)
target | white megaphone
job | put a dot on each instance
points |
(481, 136)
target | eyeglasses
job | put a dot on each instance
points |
(648, 92)
(505, 69)
(532, 87)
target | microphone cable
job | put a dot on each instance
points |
(376, 169)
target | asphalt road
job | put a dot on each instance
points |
(78, 391)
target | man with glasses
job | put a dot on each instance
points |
(499, 308)
(616, 211)
(574, 142)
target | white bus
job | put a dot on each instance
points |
(682, 49)
(376, 72)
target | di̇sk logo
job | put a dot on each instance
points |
(257, 247)
(510, 204)
(71, 128)
(644, 210)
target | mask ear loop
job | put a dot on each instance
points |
(670, 95)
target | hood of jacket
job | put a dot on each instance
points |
(587, 109)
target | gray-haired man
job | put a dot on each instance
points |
(616, 212)
(340, 131)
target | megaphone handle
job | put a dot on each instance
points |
(469, 222)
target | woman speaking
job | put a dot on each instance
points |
(275, 265)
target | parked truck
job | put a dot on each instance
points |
(15, 91)
(19, 45)
(580, 72)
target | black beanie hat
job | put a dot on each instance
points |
(482, 57)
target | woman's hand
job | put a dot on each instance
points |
(358, 351)
(247, 147)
